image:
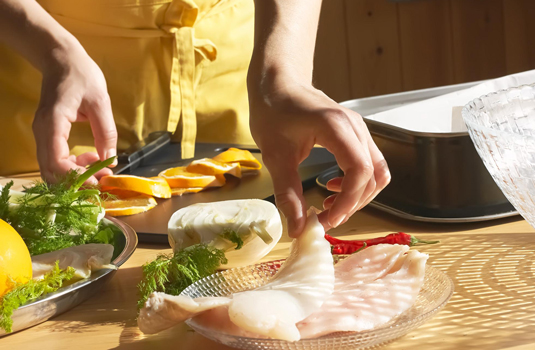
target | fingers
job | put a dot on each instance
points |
(381, 174)
(365, 169)
(51, 130)
(353, 158)
(329, 201)
(323, 218)
(288, 192)
(335, 184)
(100, 116)
(88, 158)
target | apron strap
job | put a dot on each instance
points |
(179, 23)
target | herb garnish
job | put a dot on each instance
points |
(33, 289)
(50, 217)
(172, 274)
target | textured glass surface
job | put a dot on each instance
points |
(435, 293)
(502, 127)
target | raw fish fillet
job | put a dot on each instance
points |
(218, 320)
(298, 289)
(162, 310)
(371, 288)
(83, 258)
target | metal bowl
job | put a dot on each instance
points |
(502, 127)
(66, 298)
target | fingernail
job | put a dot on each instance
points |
(337, 221)
(112, 152)
(292, 225)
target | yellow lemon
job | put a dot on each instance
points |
(15, 260)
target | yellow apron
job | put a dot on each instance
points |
(176, 65)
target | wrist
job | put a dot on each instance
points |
(59, 54)
(267, 78)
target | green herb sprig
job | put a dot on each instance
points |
(50, 217)
(172, 274)
(23, 293)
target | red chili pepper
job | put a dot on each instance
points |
(340, 246)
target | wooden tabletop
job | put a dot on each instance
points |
(491, 264)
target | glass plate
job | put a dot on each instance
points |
(435, 293)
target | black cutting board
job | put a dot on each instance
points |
(151, 226)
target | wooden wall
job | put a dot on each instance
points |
(375, 47)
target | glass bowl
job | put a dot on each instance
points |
(502, 127)
(435, 293)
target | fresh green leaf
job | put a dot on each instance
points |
(234, 237)
(106, 236)
(26, 292)
(172, 274)
(4, 201)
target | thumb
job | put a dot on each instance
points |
(289, 195)
(103, 126)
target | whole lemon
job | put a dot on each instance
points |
(15, 260)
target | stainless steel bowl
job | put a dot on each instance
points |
(66, 298)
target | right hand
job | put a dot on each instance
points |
(73, 90)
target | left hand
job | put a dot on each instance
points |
(286, 122)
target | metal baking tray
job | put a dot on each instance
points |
(436, 177)
(66, 298)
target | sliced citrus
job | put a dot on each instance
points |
(129, 206)
(244, 157)
(181, 178)
(207, 166)
(180, 191)
(15, 260)
(115, 192)
(153, 186)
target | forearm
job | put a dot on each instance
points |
(27, 28)
(285, 36)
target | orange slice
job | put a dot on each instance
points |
(244, 157)
(180, 191)
(207, 166)
(115, 192)
(181, 178)
(129, 206)
(153, 186)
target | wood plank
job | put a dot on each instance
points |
(519, 26)
(425, 44)
(478, 39)
(374, 55)
(331, 59)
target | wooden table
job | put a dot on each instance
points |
(493, 306)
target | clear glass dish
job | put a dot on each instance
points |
(502, 127)
(435, 293)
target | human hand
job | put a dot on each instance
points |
(73, 90)
(286, 122)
